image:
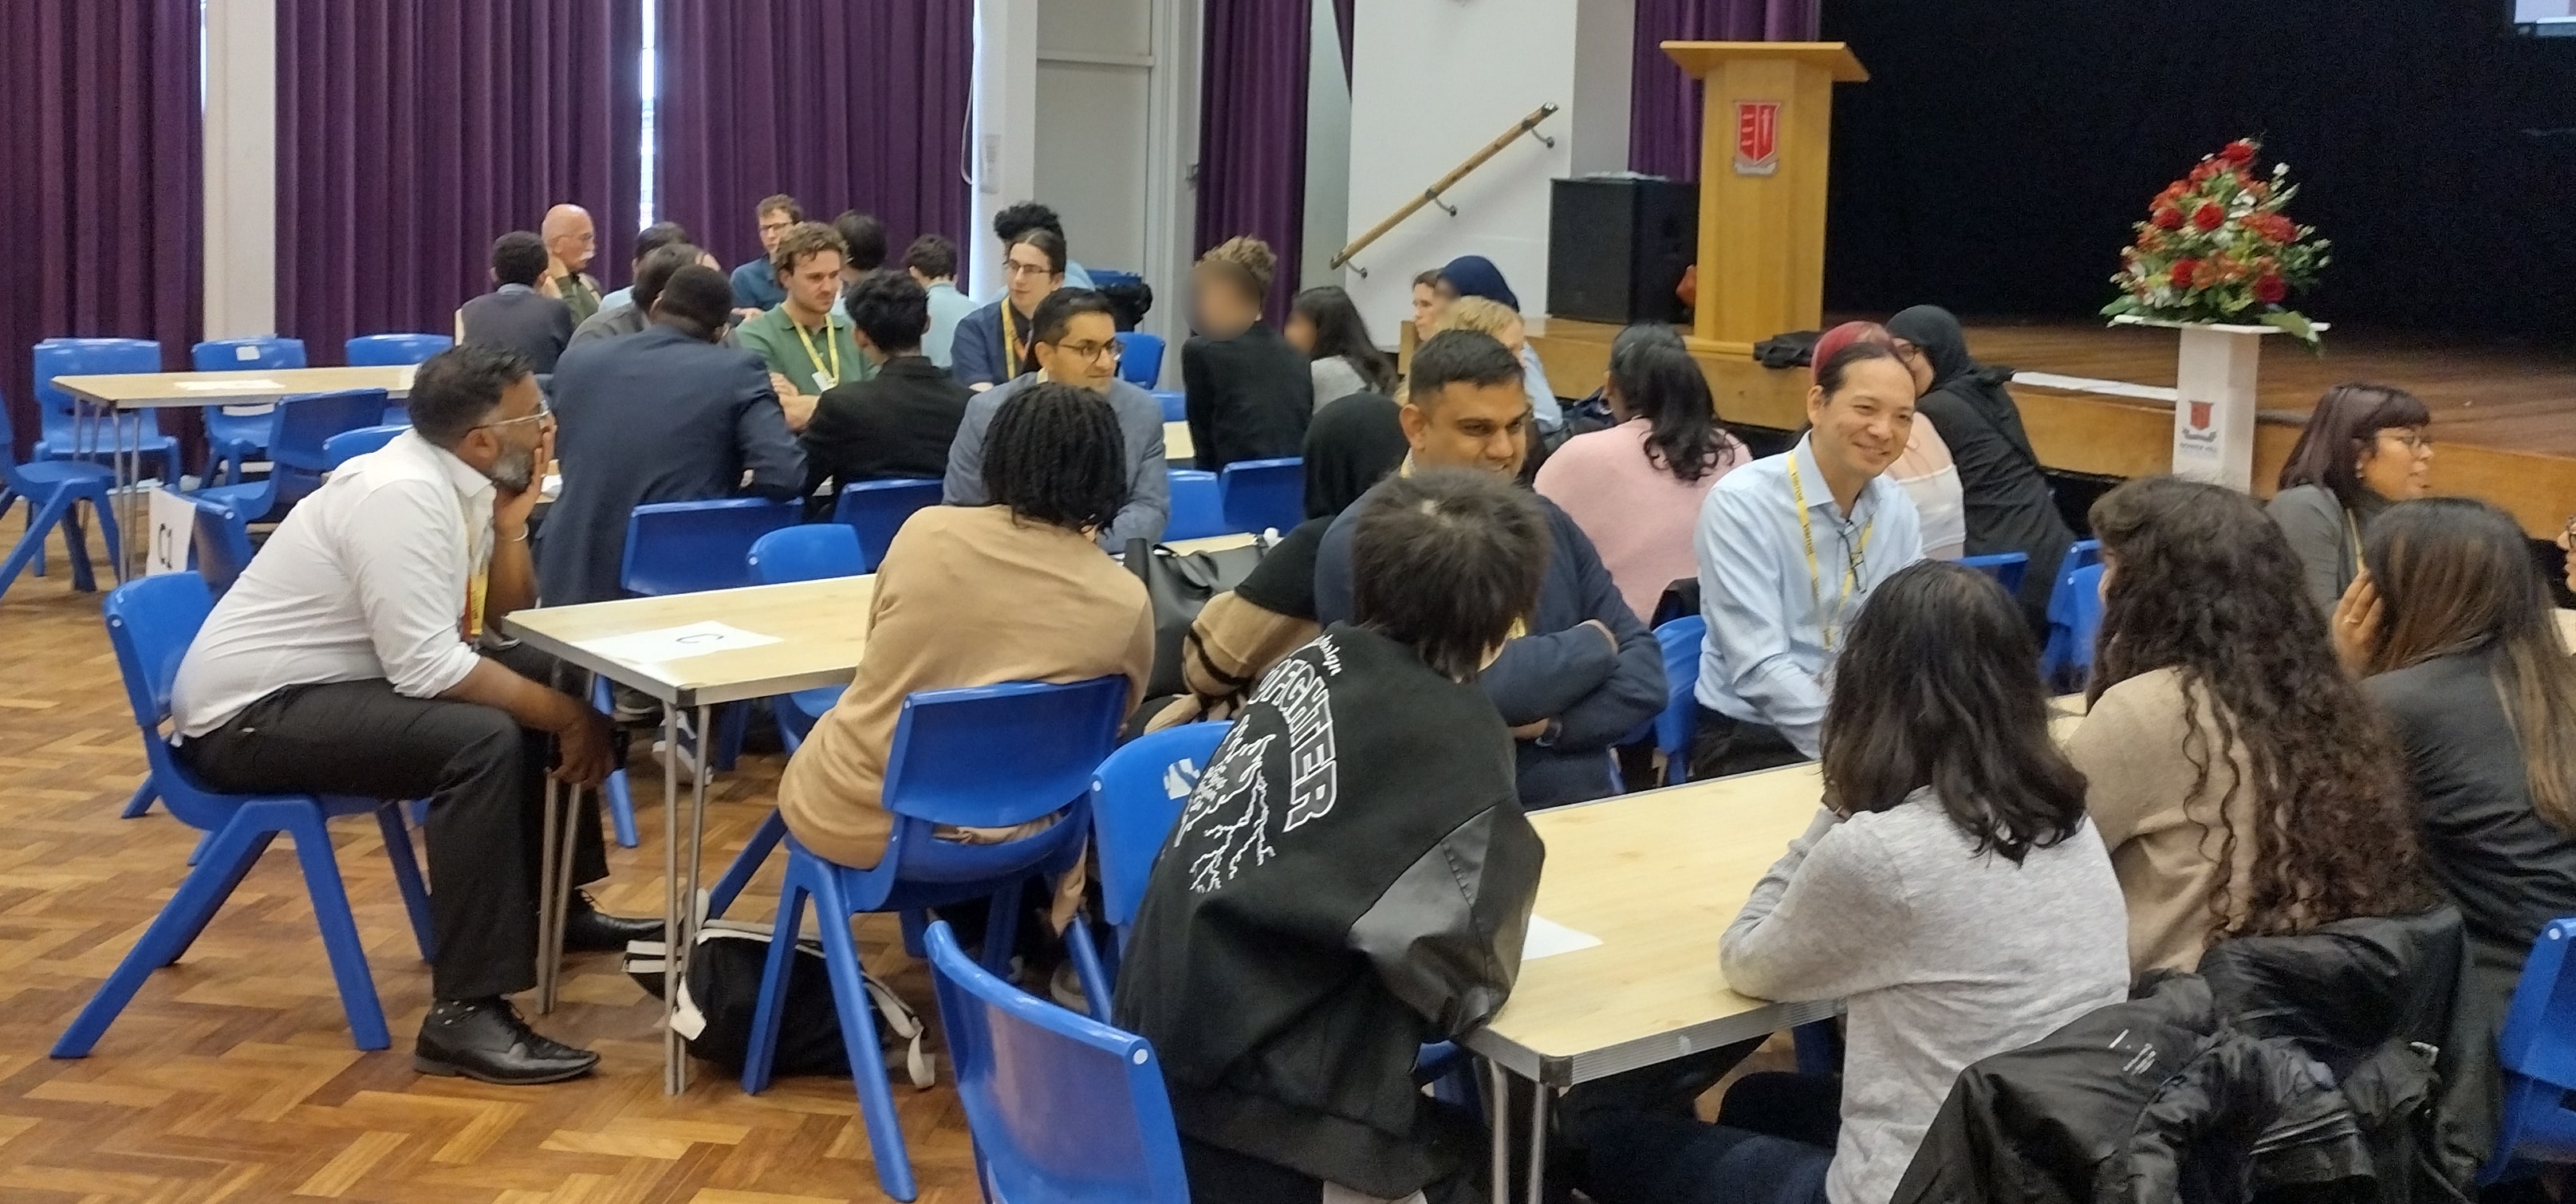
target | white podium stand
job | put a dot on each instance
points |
(2214, 398)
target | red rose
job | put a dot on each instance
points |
(2183, 269)
(2270, 289)
(2207, 168)
(2166, 217)
(2208, 217)
(2239, 152)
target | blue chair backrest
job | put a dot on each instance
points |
(1000, 756)
(1681, 639)
(393, 350)
(221, 542)
(1136, 798)
(2084, 614)
(150, 623)
(1062, 1108)
(244, 355)
(878, 509)
(808, 553)
(86, 357)
(1198, 506)
(2007, 568)
(1259, 495)
(684, 547)
(2539, 1036)
(1176, 404)
(341, 448)
(1140, 358)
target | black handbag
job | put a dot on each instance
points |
(1179, 585)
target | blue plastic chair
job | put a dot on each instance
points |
(235, 434)
(1678, 722)
(299, 452)
(2536, 1052)
(2007, 568)
(341, 448)
(1198, 506)
(1262, 495)
(878, 509)
(982, 757)
(1140, 358)
(1175, 403)
(50, 490)
(1062, 1108)
(221, 544)
(150, 624)
(1136, 798)
(2057, 657)
(394, 350)
(60, 435)
(808, 553)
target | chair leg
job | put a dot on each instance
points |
(418, 809)
(621, 809)
(733, 725)
(914, 923)
(108, 532)
(859, 1036)
(415, 895)
(761, 1052)
(237, 845)
(141, 803)
(1086, 967)
(31, 546)
(205, 847)
(764, 841)
(1820, 1047)
(76, 547)
(339, 931)
(1002, 930)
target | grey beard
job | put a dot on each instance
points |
(515, 470)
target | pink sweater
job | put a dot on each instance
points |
(1638, 515)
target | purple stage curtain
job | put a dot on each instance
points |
(411, 133)
(841, 105)
(1252, 131)
(1664, 104)
(101, 184)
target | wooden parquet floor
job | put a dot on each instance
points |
(231, 1076)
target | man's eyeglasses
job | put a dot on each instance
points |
(1094, 352)
(543, 413)
(774, 227)
(1015, 268)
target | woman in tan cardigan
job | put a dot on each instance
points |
(976, 596)
(2243, 782)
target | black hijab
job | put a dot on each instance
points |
(1351, 445)
(1935, 331)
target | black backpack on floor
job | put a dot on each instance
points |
(723, 987)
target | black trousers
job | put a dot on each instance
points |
(1773, 1140)
(1724, 745)
(484, 777)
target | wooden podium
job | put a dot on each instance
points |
(1765, 139)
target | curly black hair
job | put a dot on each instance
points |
(1054, 455)
(2202, 582)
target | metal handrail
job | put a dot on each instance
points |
(1431, 196)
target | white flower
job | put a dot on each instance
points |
(2280, 169)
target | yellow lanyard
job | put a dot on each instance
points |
(478, 579)
(1815, 574)
(810, 354)
(1010, 343)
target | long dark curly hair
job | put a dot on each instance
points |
(2202, 582)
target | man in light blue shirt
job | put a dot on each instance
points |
(932, 260)
(1790, 547)
(1075, 342)
(652, 238)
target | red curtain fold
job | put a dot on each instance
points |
(411, 133)
(840, 105)
(1252, 131)
(101, 152)
(1664, 104)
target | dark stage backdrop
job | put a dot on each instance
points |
(1996, 157)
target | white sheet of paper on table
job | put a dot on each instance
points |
(228, 386)
(1547, 938)
(676, 643)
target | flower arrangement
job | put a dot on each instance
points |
(2216, 248)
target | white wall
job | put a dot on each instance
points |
(1434, 80)
(241, 171)
(1328, 154)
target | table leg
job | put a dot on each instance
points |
(1498, 1100)
(129, 480)
(1539, 1093)
(548, 960)
(563, 881)
(675, 1071)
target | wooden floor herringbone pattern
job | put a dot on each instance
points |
(231, 1077)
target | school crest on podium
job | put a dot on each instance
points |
(1757, 137)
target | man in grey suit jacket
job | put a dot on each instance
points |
(1075, 342)
(515, 315)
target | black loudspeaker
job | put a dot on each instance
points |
(1617, 245)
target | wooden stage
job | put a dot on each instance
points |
(2504, 417)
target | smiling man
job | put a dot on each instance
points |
(1584, 672)
(807, 347)
(1075, 342)
(1789, 548)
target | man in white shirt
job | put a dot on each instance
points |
(1789, 548)
(347, 659)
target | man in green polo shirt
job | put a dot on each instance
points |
(570, 243)
(807, 347)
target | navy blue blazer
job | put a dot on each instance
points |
(653, 417)
(976, 356)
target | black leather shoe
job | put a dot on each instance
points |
(587, 929)
(484, 1040)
